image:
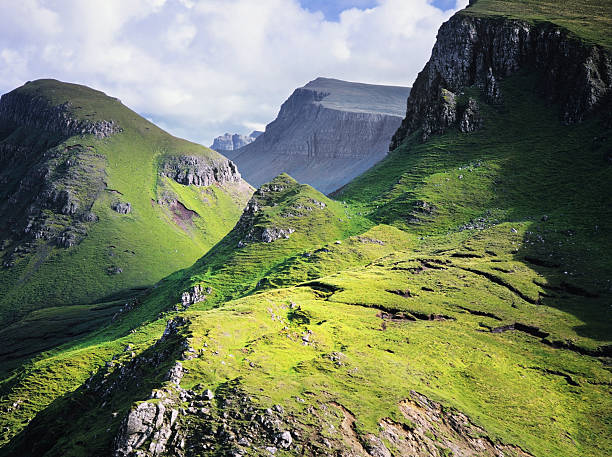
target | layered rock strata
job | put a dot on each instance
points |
(326, 133)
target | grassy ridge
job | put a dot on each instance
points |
(587, 19)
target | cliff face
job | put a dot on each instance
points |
(229, 142)
(199, 171)
(326, 133)
(480, 51)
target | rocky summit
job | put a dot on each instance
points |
(452, 300)
(326, 133)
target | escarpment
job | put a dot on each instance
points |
(229, 142)
(481, 51)
(326, 133)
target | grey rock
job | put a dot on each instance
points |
(470, 119)
(39, 113)
(122, 207)
(176, 373)
(137, 427)
(285, 439)
(199, 170)
(326, 133)
(208, 395)
(271, 234)
(196, 294)
(114, 270)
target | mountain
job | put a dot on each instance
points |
(326, 133)
(96, 202)
(451, 300)
(229, 142)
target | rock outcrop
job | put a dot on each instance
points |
(481, 51)
(254, 226)
(52, 198)
(326, 133)
(198, 170)
(229, 142)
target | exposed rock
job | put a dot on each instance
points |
(436, 430)
(275, 233)
(122, 207)
(176, 373)
(51, 195)
(229, 142)
(326, 133)
(114, 270)
(208, 394)
(480, 51)
(284, 439)
(198, 170)
(470, 120)
(195, 295)
(138, 426)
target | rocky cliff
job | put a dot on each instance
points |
(48, 187)
(481, 51)
(229, 142)
(198, 170)
(326, 133)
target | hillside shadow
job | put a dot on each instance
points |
(100, 403)
(553, 178)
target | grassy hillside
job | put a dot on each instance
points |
(153, 240)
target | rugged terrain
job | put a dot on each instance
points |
(453, 300)
(96, 202)
(231, 142)
(326, 133)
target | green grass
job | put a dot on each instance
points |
(587, 19)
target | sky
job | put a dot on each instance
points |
(200, 68)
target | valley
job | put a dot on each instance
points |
(447, 297)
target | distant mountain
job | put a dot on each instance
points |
(229, 142)
(327, 133)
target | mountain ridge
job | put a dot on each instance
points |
(326, 133)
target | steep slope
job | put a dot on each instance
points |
(95, 200)
(229, 142)
(326, 133)
(481, 328)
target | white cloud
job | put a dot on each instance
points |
(203, 67)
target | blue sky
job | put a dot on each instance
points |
(332, 8)
(200, 68)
